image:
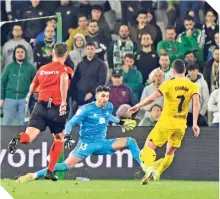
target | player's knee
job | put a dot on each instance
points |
(130, 141)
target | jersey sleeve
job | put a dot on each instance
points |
(195, 89)
(114, 119)
(76, 119)
(35, 80)
(163, 87)
(69, 71)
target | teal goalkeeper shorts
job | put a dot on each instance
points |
(84, 149)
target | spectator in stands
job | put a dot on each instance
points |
(172, 12)
(170, 46)
(119, 48)
(119, 93)
(122, 112)
(216, 45)
(82, 28)
(198, 79)
(33, 27)
(97, 14)
(146, 59)
(43, 50)
(97, 38)
(151, 117)
(8, 48)
(209, 28)
(15, 81)
(51, 22)
(192, 39)
(132, 77)
(165, 67)
(131, 8)
(151, 19)
(213, 106)
(190, 8)
(15, 9)
(69, 16)
(190, 57)
(137, 30)
(211, 71)
(148, 90)
(78, 52)
(90, 73)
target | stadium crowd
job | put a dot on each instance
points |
(128, 45)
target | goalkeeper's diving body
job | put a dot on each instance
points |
(171, 126)
(93, 118)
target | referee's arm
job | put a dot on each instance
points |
(64, 82)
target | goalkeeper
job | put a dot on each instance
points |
(93, 118)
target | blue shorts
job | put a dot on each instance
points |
(84, 149)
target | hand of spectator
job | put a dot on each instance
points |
(191, 13)
(1, 103)
(10, 17)
(88, 97)
(208, 25)
(170, 8)
(196, 130)
(125, 68)
(189, 32)
(84, 2)
(130, 9)
(162, 51)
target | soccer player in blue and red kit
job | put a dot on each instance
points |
(52, 83)
(93, 118)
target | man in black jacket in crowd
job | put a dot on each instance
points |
(33, 27)
(90, 73)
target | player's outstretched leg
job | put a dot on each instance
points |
(165, 162)
(148, 156)
(68, 164)
(22, 138)
(55, 152)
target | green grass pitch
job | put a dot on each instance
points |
(112, 189)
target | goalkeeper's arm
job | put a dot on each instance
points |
(126, 124)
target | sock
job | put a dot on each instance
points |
(24, 138)
(131, 144)
(58, 167)
(165, 163)
(55, 152)
(149, 156)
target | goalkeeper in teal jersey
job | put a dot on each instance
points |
(93, 118)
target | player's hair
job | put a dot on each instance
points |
(179, 66)
(60, 49)
(81, 15)
(189, 18)
(129, 55)
(102, 88)
(93, 21)
(190, 52)
(90, 44)
(192, 66)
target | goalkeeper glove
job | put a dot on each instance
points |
(127, 124)
(68, 141)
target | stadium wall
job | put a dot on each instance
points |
(197, 159)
